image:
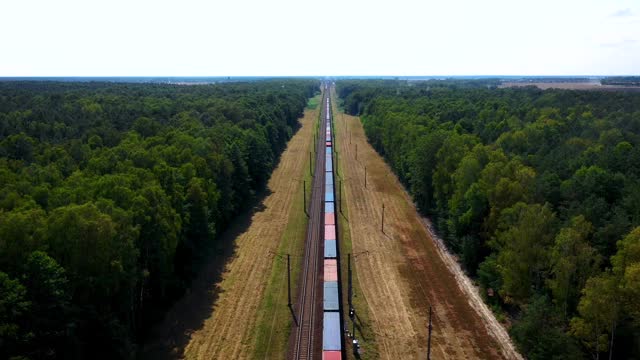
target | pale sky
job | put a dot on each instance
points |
(330, 37)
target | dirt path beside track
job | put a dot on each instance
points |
(404, 271)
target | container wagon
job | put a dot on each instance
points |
(331, 331)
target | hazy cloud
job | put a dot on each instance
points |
(623, 13)
(618, 44)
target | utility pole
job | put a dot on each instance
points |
(382, 217)
(289, 280)
(429, 340)
(336, 152)
(310, 160)
(350, 284)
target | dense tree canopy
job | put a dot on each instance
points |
(110, 193)
(537, 191)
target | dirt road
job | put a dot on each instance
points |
(217, 319)
(404, 271)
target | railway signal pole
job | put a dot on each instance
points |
(429, 339)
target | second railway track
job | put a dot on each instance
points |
(306, 332)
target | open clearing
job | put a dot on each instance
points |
(218, 319)
(404, 271)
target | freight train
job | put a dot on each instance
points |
(332, 343)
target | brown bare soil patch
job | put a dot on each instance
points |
(404, 271)
(217, 318)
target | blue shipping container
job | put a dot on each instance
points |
(330, 249)
(328, 151)
(328, 180)
(328, 196)
(328, 207)
(331, 299)
(328, 159)
(331, 331)
(328, 188)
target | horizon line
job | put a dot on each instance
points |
(313, 76)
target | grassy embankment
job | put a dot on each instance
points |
(274, 320)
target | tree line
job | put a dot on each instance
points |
(110, 194)
(537, 192)
(621, 80)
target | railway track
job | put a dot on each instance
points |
(306, 332)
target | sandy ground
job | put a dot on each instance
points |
(217, 319)
(405, 271)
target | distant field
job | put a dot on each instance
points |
(595, 85)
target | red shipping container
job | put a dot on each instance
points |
(328, 143)
(330, 270)
(329, 219)
(329, 232)
(331, 355)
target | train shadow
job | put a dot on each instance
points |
(169, 338)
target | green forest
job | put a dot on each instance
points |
(111, 194)
(537, 192)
